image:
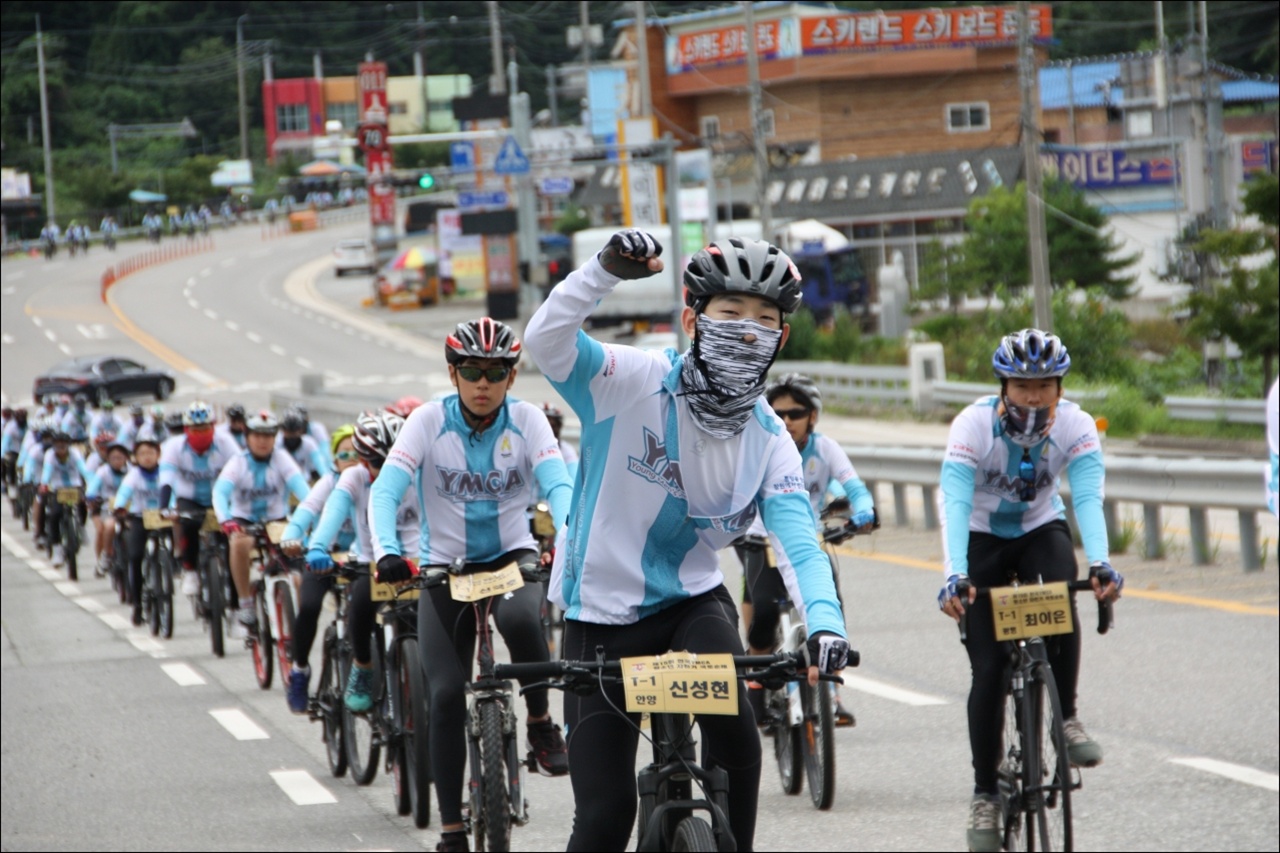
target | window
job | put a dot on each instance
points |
(967, 118)
(346, 113)
(710, 127)
(1141, 123)
(292, 118)
(130, 367)
(109, 368)
(766, 123)
(398, 108)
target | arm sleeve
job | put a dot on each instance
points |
(805, 569)
(957, 479)
(85, 474)
(553, 477)
(842, 471)
(553, 337)
(299, 523)
(46, 472)
(124, 494)
(384, 501)
(222, 490)
(336, 510)
(298, 486)
(320, 460)
(94, 484)
(1087, 474)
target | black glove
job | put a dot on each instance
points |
(828, 652)
(393, 569)
(627, 254)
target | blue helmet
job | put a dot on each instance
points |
(198, 413)
(1030, 354)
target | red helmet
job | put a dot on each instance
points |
(404, 406)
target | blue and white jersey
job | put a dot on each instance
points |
(257, 491)
(64, 473)
(105, 483)
(105, 422)
(473, 488)
(1273, 445)
(12, 437)
(306, 514)
(349, 504)
(981, 485)
(321, 435)
(33, 463)
(140, 490)
(827, 468)
(657, 497)
(191, 474)
(76, 424)
(236, 437)
(311, 460)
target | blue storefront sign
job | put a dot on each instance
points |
(1107, 168)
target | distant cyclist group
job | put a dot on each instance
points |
(441, 506)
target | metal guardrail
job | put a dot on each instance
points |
(964, 393)
(852, 383)
(1198, 484)
(1216, 409)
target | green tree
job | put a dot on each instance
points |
(1243, 303)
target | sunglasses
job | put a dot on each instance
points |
(493, 374)
(1027, 474)
(346, 456)
(797, 414)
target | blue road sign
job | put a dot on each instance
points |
(510, 159)
(462, 156)
(556, 186)
(482, 199)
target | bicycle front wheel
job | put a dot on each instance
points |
(693, 834)
(358, 730)
(211, 589)
(819, 744)
(1010, 776)
(788, 750)
(329, 705)
(260, 645)
(151, 590)
(164, 592)
(70, 541)
(1047, 771)
(494, 828)
(284, 619)
(413, 730)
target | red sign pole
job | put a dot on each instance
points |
(377, 154)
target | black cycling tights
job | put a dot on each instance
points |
(763, 587)
(135, 540)
(310, 601)
(451, 625)
(1047, 554)
(602, 742)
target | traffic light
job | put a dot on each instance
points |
(426, 181)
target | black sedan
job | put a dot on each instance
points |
(103, 377)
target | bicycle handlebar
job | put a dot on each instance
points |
(1105, 611)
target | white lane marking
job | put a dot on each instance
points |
(144, 643)
(88, 604)
(888, 691)
(48, 333)
(115, 621)
(11, 545)
(277, 349)
(37, 564)
(253, 336)
(370, 380)
(37, 321)
(233, 326)
(51, 575)
(1235, 772)
(184, 675)
(66, 350)
(227, 262)
(92, 331)
(191, 282)
(302, 362)
(193, 303)
(212, 315)
(8, 339)
(241, 727)
(400, 378)
(200, 376)
(301, 787)
(70, 589)
(206, 272)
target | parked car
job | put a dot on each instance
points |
(353, 256)
(103, 377)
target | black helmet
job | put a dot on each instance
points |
(173, 421)
(374, 435)
(742, 266)
(797, 385)
(553, 413)
(293, 421)
(483, 338)
(235, 412)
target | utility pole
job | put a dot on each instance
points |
(244, 109)
(551, 95)
(420, 73)
(757, 124)
(642, 58)
(497, 81)
(584, 20)
(51, 207)
(1037, 243)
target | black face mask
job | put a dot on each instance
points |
(237, 430)
(293, 442)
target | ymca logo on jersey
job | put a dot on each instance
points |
(998, 483)
(734, 523)
(655, 467)
(467, 486)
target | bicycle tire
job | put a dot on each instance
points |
(693, 834)
(415, 729)
(358, 731)
(260, 645)
(819, 742)
(284, 619)
(70, 542)
(494, 828)
(164, 593)
(788, 751)
(1048, 775)
(151, 591)
(328, 700)
(1010, 776)
(397, 761)
(120, 571)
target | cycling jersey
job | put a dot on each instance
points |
(1273, 444)
(316, 430)
(981, 485)
(191, 474)
(570, 454)
(62, 474)
(128, 434)
(236, 437)
(105, 484)
(349, 504)
(311, 460)
(33, 463)
(105, 422)
(76, 424)
(139, 491)
(255, 490)
(473, 488)
(308, 512)
(12, 437)
(827, 468)
(657, 497)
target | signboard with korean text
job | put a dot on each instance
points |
(372, 78)
(382, 195)
(640, 182)
(776, 39)
(1107, 168)
(373, 92)
(962, 26)
(681, 683)
(1031, 611)
(500, 263)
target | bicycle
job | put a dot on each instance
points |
(327, 706)
(274, 601)
(670, 815)
(544, 531)
(67, 531)
(157, 573)
(1035, 777)
(26, 500)
(213, 603)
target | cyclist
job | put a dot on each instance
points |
(252, 490)
(314, 587)
(303, 449)
(137, 420)
(101, 495)
(374, 436)
(31, 460)
(404, 406)
(173, 425)
(1001, 514)
(798, 403)
(1273, 445)
(472, 458)
(190, 462)
(315, 429)
(11, 442)
(105, 420)
(234, 427)
(108, 229)
(60, 410)
(679, 454)
(140, 491)
(555, 417)
(63, 468)
(76, 421)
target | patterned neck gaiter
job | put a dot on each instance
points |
(724, 375)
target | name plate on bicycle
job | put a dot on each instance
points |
(69, 496)
(483, 585)
(152, 520)
(275, 531)
(211, 524)
(389, 592)
(681, 683)
(1031, 611)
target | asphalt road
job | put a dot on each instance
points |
(109, 741)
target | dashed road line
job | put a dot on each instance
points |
(144, 643)
(238, 723)
(13, 546)
(8, 339)
(211, 314)
(1235, 772)
(183, 674)
(48, 333)
(254, 337)
(302, 362)
(91, 605)
(66, 350)
(301, 787)
(277, 349)
(115, 621)
(37, 321)
(70, 589)
(232, 325)
(888, 691)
